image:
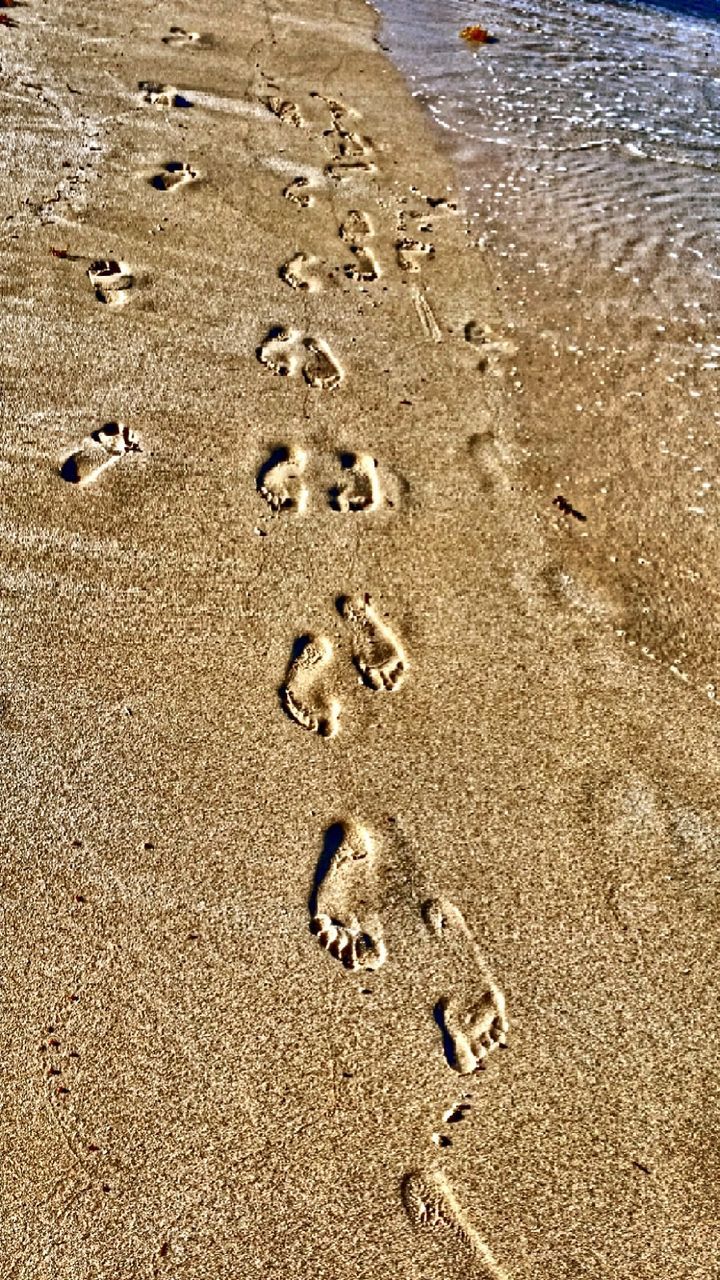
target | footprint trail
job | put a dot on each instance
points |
(353, 151)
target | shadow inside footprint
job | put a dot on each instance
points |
(278, 456)
(320, 369)
(71, 471)
(332, 841)
(106, 268)
(447, 1040)
(472, 1018)
(299, 645)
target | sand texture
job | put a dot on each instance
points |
(358, 887)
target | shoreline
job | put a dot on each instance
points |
(209, 1073)
(614, 358)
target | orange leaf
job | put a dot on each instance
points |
(477, 35)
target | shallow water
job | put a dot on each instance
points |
(587, 147)
(600, 121)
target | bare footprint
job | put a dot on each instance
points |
(293, 272)
(86, 464)
(286, 112)
(339, 111)
(117, 439)
(284, 351)
(482, 337)
(100, 450)
(349, 168)
(407, 216)
(296, 192)
(410, 253)
(356, 228)
(280, 480)
(432, 1208)
(359, 489)
(111, 281)
(303, 695)
(352, 145)
(377, 652)
(174, 174)
(279, 351)
(472, 1016)
(441, 202)
(162, 95)
(177, 35)
(365, 267)
(341, 915)
(351, 148)
(348, 142)
(320, 368)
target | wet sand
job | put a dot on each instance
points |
(280, 864)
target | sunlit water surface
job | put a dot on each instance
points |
(586, 142)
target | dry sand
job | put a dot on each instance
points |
(266, 904)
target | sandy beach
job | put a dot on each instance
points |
(359, 889)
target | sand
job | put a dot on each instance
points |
(319, 790)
